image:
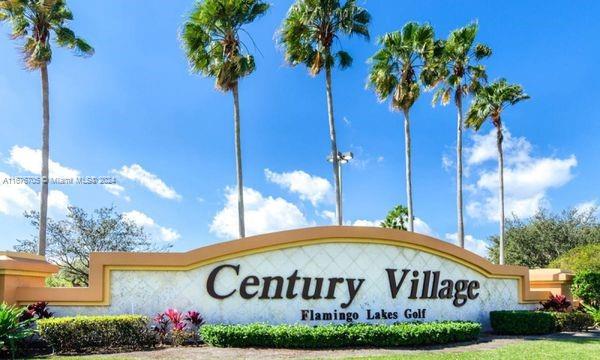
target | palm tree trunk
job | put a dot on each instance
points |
(499, 138)
(45, 157)
(334, 149)
(238, 160)
(409, 198)
(460, 236)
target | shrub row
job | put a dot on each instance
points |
(523, 322)
(86, 333)
(337, 336)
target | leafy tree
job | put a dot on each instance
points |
(34, 22)
(490, 102)
(70, 241)
(461, 75)
(537, 241)
(309, 34)
(396, 218)
(211, 40)
(398, 71)
(580, 258)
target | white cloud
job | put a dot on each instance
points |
(17, 198)
(477, 246)
(527, 179)
(422, 227)
(116, 190)
(150, 181)
(586, 206)
(150, 226)
(329, 215)
(309, 187)
(371, 223)
(30, 160)
(263, 214)
(447, 162)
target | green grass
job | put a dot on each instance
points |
(579, 349)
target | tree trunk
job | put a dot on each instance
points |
(409, 198)
(45, 157)
(499, 138)
(460, 236)
(334, 149)
(238, 161)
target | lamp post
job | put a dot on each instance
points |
(343, 158)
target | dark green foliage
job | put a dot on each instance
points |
(573, 321)
(339, 336)
(313, 27)
(580, 258)
(396, 218)
(211, 39)
(401, 65)
(586, 286)
(522, 322)
(536, 241)
(92, 333)
(13, 329)
(34, 22)
(70, 241)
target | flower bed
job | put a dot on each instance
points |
(338, 336)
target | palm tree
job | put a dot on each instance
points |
(462, 76)
(489, 102)
(34, 22)
(398, 70)
(211, 39)
(308, 35)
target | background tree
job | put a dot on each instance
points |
(211, 39)
(70, 241)
(396, 218)
(461, 76)
(580, 258)
(308, 35)
(489, 102)
(397, 72)
(536, 241)
(34, 22)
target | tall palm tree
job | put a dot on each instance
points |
(308, 35)
(211, 40)
(35, 22)
(489, 102)
(399, 68)
(462, 75)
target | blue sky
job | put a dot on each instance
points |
(135, 112)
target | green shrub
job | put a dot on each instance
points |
(572, 321)
(586, 286)
(12, 329)
(580, 258)
(338, 336)
(594, 312)
(87, 333)
(522, 322)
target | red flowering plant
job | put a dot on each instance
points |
(556, 303)
(177, 327)
(36, 311)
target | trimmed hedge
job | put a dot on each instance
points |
(92, 333)
(573, 321)
(338, 336)
(522, 322)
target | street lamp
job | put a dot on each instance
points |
(342, 158)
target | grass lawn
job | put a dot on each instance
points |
(533, 349)
(579, 348)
